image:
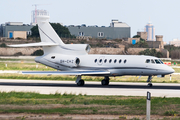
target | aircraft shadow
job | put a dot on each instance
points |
(90, 85)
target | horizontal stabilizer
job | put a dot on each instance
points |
(35, 44)
(94, 72)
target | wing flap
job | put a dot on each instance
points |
(95, 72)
(35, 44)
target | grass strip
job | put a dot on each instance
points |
(24, 66)
(166, 79)
(85, 104)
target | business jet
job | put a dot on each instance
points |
(73, 59)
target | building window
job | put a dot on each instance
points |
(28, 32)
(81, 33)
(100, 34)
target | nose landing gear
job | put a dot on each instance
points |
(149, 81)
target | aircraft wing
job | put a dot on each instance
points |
(91, 72)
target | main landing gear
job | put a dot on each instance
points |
(79, 81)
(149, 81)
(105, 81)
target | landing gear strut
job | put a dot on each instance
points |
(79, 81)
(149, 81)
(105, 81)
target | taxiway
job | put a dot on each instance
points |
(91, 88)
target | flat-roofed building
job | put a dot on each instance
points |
(116, 30)
(15, 30)
(175, 42)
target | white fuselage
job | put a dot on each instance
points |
(117, 65)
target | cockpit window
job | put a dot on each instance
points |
(152, 61)
(157, 61)
(148, 61)
(161, 61)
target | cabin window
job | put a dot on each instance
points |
(110, 61)
(95, 60)
(100, 60)
(105, 60)
(125, 61)
(152, 61)
(52, 57)
(115, 61)
(120, 61)
(157, 61)
(148, 61)
(161, 61)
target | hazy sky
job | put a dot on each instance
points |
(164, 14)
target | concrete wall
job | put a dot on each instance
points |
(12, 51)
(29, 51)
(165, 53)
(116, 51)
(154, 44)
(135, 51)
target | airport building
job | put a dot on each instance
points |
(18, 29)
(15, 30)
(116, 30)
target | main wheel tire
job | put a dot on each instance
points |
(105, 82)
(150, 84)
(80, 83)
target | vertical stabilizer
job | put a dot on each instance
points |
(47, 33)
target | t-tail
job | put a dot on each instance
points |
(52, 43)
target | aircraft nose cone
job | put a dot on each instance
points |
(171, 70)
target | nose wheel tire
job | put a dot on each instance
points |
(80, 83)
(150, 84)
(105, 82)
